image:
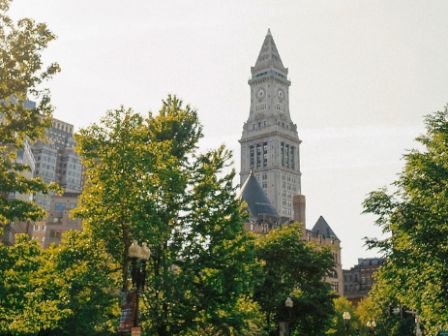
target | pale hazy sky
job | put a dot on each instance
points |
(364, 73)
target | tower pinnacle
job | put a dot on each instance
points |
(269, 56)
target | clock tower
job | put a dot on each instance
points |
(270, 143)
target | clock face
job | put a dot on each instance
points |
(260, 94)
(280, 94)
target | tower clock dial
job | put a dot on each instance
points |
(260, 94)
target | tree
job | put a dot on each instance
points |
(295, 268)
(62, 290)
(145, 180)
(338, 326)
(415, 219)
(378, 307)
(21, 75)
(28, 303)
(86, 279)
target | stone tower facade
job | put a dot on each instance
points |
(270, 143)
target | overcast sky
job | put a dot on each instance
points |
(363, 73)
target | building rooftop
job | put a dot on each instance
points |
(255, 198)
(323, 228)
(269, 56)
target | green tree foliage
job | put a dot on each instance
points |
(64, 290)
(145, 180)
(22, 74)
(378, 307)
(28, 300)
(86, 280)
(295, 268)
(415, 217)
(339, 327)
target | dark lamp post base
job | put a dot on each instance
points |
(136, 331)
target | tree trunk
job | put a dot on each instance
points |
(126, 244)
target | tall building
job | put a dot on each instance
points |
(270, 143)
(270, 159)
(56, 160)
(23, 156)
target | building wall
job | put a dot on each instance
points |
(359, 279)
(58, 221)
(56, 161)
(25, 157)
(336, 280)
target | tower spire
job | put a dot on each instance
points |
(269, 56)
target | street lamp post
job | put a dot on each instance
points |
(138, 256)
(289, 304)
(346, 317)
(417, 318)
(418, 330)
(371, 325)
(284, 325)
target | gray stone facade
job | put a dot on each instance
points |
(270, 143)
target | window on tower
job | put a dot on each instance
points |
(258, 155)
(287, 155)
(282, 153)
(265, 154)
(252, 156)
(293, 165)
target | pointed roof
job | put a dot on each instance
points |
(323, 228)
(269, 55)
(255, 198)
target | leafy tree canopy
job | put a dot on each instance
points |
(63, 290)
(415, 218)
(145, 180)
(295, 268)
(22, 75)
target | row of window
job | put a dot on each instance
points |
(258, 155)
(260, 107)
(265, 124)
(55, 234)
(286, 202)
(288, 187)
(333, 274)
(335, 287)
(46, 166)
(287, 153)
(63, 127)
(286, 211)
(45, 174)
(254, 126)
(39, 227)
(46, 159)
